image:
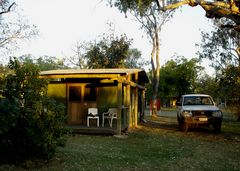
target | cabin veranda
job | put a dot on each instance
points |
(103, 89)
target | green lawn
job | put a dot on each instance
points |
(157, 145)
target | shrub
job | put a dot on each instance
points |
(32, 124)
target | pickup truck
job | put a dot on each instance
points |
(194, 110)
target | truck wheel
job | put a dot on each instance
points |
(183, 126)
(217, 126)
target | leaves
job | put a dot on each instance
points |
(126, 5)
(13, 27)
(179, 76)
(31, 122)
(220, 46)
(115, 53)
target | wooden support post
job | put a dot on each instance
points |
(124, 112)
(129, 109)
(135, 107)
(132, 107)
(143, 106)
(136, 102)
(119, 115)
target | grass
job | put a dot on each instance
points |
(156, 145)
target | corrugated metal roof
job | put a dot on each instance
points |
(91, 71)
(141, 72)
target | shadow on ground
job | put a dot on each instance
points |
(166, 122)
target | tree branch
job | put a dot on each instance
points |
(238, 51)
(8, 10)
(231, 26)
(175, 5)
(219, 4)
(216, 9)
(144, 25)
(158, 4)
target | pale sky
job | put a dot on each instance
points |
(62, 23)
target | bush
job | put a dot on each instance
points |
(235, 109)
(32, 124)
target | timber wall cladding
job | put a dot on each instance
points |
(57, 91)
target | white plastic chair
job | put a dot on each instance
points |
(92, 114)
(110, 115)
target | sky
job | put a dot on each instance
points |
(62, 23)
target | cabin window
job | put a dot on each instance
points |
(90, 93)
(75, 93)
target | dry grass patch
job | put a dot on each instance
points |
(155, 145)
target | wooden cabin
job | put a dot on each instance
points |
(81, 89)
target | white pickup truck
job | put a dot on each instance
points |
(194, 110)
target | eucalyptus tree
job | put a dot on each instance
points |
(135, 60)
(222, 48)
(78, 59)
(107, 53)
(6, 7)
(215, 9)
(151, 19)
(113, 53)
(13, 27)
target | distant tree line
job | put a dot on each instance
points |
(178, 76)
(114, 52)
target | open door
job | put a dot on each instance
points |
(80, 98)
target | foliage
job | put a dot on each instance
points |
(134, 59)
(3, 71)
(151, 19)
(178, 76)
(208, 85)
(13, 26)
(78, 59)
(126, 5)
(31, 123)
(215, 9)
(229, 82)
(222, 48)
(44, 63)
(107, 53)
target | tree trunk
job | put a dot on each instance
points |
(155, 71)
(154, 95)
(238, 82)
